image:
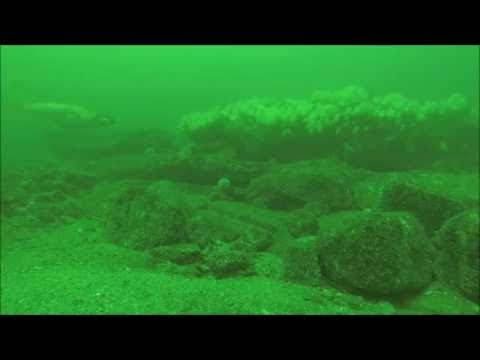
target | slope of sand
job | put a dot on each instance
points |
(72, 270)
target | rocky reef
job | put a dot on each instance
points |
(366, 199)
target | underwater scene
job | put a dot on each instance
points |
(249, 180)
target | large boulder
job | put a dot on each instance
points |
(289, 187)
(142, 218)
(458, 263)
(431, 209)
(460, 188)
(377, 254)
(302, 262)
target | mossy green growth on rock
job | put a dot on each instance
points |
(379, 254)
(269, 265)
(302, 262)
(292, 186)
(222, 260)
(431, 209)
(458, 263)
(208, 226)
(302, 222)
(181, 254)
(249, 228)
(142, 219)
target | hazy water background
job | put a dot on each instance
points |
(151, 86)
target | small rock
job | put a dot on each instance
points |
(222, 260)
(180, 254)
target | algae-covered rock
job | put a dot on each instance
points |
(232, 235)
(45, 194)
(458, 263)
(301, 258)
(273, 221)
(222, 260)
(141, 219)
(302, 222)
(247, 227)
(292, 186)
(208, 226)
(181, 254)
(431, 209)
(378, 254)
(269, 265)
(461, 188)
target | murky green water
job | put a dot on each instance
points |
(239, 179)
